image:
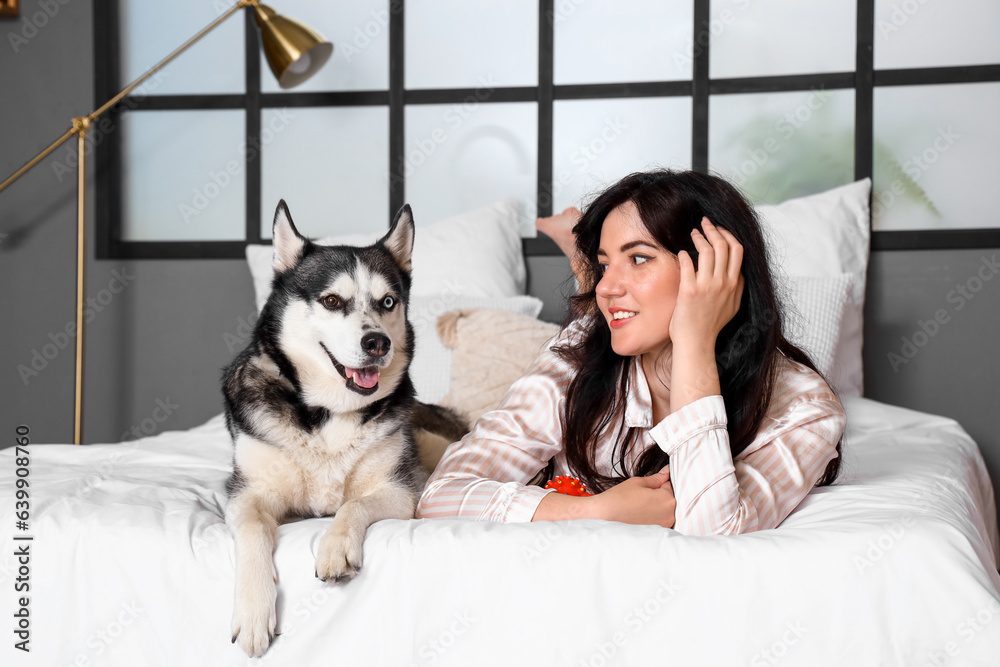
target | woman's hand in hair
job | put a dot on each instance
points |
(647, 501)
(559, 228)
(709, 297)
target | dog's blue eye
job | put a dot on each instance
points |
(388, 302)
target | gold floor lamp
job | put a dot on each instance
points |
(294, 53)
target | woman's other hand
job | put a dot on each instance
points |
(645, 501)
(709, 297)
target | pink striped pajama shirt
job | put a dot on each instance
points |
(484, 476)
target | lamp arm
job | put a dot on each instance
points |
(83, 123)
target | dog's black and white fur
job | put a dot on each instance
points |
(321, 410)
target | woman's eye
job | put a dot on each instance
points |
(639, 259)
(388, 302)
(601, 268)
(331, 301)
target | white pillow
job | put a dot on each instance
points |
(826, 235)
(430, 368)
(813, 310)
(473, 254)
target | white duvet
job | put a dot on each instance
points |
(132, 564)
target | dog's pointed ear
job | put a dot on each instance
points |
(288, 243)
(399, 240)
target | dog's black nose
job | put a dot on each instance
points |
(375, 344)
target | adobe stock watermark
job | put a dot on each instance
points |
(364, 35)
(900, 15)
(165, 408)
(634, 621)
(778, 649)
(562, 10)
(104, 637)
(452, 119)
(968, 629)
(436, 647)
(31, 25)
(711, 29)
(218, 180)
(878, 547)
(915, 167)
(102, 128)
(244, 330)
(582, 158)
(785, 128)
(298, 616)
(93, 480)
(424, 317)
(60, 340)
(927, 329)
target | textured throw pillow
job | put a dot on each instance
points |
(490, 350)
(473, 254)
(431, 367)
(827, 235)
(812, 316)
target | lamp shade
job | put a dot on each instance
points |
(293, 50)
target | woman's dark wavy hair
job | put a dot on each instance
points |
(671, 204)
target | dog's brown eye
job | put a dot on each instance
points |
(331, 301)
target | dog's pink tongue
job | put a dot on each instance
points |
(363, 377)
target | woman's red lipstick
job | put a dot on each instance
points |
(616, 324)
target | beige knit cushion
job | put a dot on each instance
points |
(491, 349)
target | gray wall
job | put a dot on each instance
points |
(163, 339)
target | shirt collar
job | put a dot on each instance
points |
(638, 402)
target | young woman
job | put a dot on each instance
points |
(672, 392)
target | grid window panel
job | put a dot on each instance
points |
(456, 44)
(359, 31)
(330, 165)
(776, 146)
(935, 157)
(150, 31)
(780, 37)
(183, 175)
(597, 142)
(462, 156)
(920, 33)
(610, 41)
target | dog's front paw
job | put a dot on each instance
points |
(254, 618)
(340, 555)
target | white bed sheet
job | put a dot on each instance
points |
(132, 564)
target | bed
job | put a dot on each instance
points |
(129, 561)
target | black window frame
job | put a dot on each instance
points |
(700, 88)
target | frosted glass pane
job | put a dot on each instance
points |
(150, 31)
(461, 157)
(780, 145)
(184, 175)
(604, 41)
(918, 33)
(330, 165)
(781, 37)
(456, 44)
(935, 154)
(359, 31)
(597, 142)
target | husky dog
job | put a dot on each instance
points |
(321, 410)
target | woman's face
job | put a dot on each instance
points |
(639, 283)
